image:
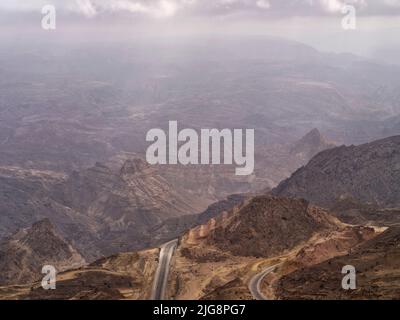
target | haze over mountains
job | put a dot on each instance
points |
(96, 106)
(79, 104)
(73, 123)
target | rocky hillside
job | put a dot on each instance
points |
(369, 173)
(121, 276)
(377, 264)
(266, 226)
(23, 255)
(231, 248)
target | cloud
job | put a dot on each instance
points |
(158, 9)
(263, 4)
(337, 5)
(170, 8)
(91, 8)
(86, 8)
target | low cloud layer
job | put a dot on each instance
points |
(171, 8)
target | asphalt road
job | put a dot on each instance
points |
(255, 283)
(161, 276)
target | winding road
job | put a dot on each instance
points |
(255, 283)
(161, 276)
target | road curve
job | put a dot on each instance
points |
(255, 283)
(161, 276)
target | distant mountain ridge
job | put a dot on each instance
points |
(370, 173)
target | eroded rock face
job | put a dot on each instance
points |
(23, 255)
(368, 173)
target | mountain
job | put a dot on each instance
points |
(377, 264)
(231, 248)
(310, 145)
(23, 255)
(369, 173)
(267, 226)
(61, 130)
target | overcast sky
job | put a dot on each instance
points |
(316, 22)
(170, 8)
